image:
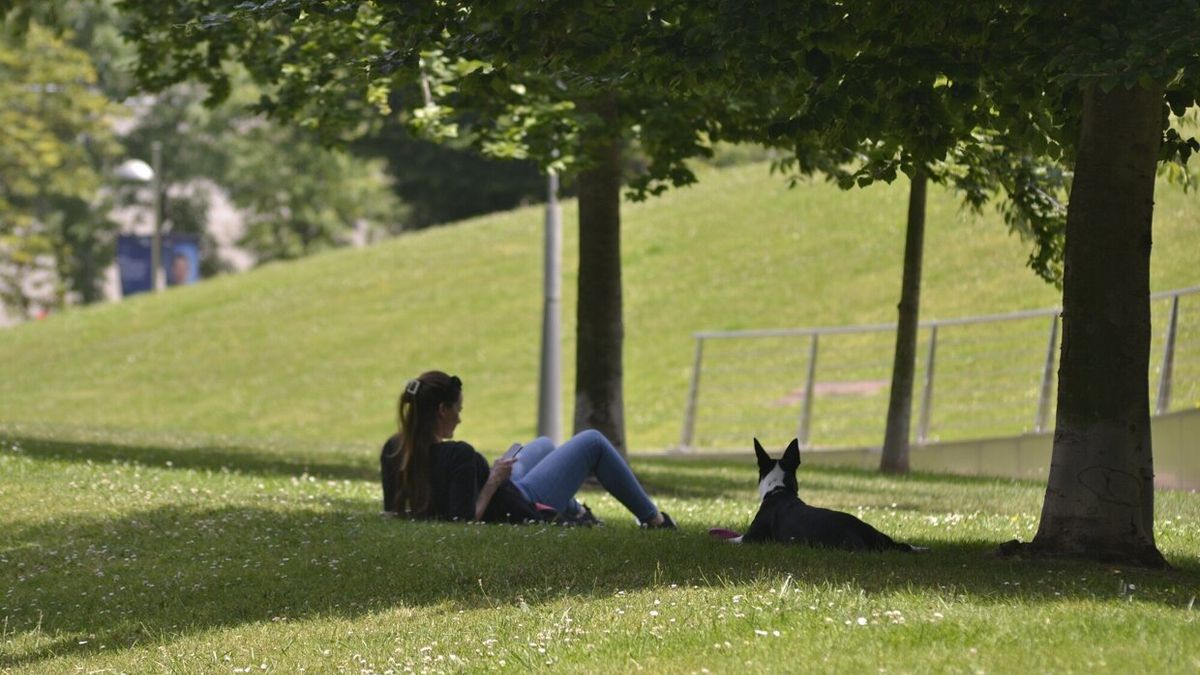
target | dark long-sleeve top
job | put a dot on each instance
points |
(456, 475)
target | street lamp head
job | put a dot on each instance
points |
(134, 170)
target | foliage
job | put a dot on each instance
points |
(354, 55)
(204, 148)
(876, 89)
(57, 143)
(94, 26)
(297, 196)
(1036, 208)
(301, 198)
(863, 95)
(1024, 85)
(443, 184)
(498, 94)
(510, 79)
(447, 181)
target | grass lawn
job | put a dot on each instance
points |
(144, 552)
(317, 349)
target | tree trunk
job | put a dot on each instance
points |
(1099, 500)
(899, 417)
(600, 330)
(88, 288)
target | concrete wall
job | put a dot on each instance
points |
(1176, 438)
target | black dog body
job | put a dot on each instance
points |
(784, 517)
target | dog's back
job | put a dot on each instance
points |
(787, 519)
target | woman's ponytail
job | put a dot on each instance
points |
(417, 414)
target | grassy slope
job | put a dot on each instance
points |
(155, 558)
(317, 349)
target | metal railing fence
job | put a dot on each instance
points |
(976, 377)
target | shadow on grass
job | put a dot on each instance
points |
(661, 477)
(208, 457)
(669, 477)
(111, 584)
(692, 479)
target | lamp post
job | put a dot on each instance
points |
(549, 389)
(137, 171)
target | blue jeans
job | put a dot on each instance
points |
(553, 475)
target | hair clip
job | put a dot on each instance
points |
(413, 387)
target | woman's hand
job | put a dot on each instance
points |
(500, 472)
(502, 469)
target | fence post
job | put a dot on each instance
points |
(1043, 412)
(927, 395)
(689, 417)
(1164, 379)
(809, 389)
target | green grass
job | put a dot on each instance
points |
(317, 350)
(169, 553)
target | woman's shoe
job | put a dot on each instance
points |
(666, 524)
(583, 518)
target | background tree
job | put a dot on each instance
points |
(490, 82)
(447, 181)
(904, 89)
(1120, 68)
(1085, 83)
(689, 50)
(57, 145)
(61, 242)
(554, 67)
(522, 72)
(529, 81)
(296, 196)
(300, 197)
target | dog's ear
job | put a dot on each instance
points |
(764, 460)
(791, 456)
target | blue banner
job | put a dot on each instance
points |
(180, 261)
(133, 264)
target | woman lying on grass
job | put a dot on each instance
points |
(427, 475)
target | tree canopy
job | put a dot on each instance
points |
(57, 140)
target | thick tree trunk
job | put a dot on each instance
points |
(1099, 500)
(899, 418)
(600, 330)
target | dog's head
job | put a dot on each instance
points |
(775, 474)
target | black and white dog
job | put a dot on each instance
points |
(784, 517)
